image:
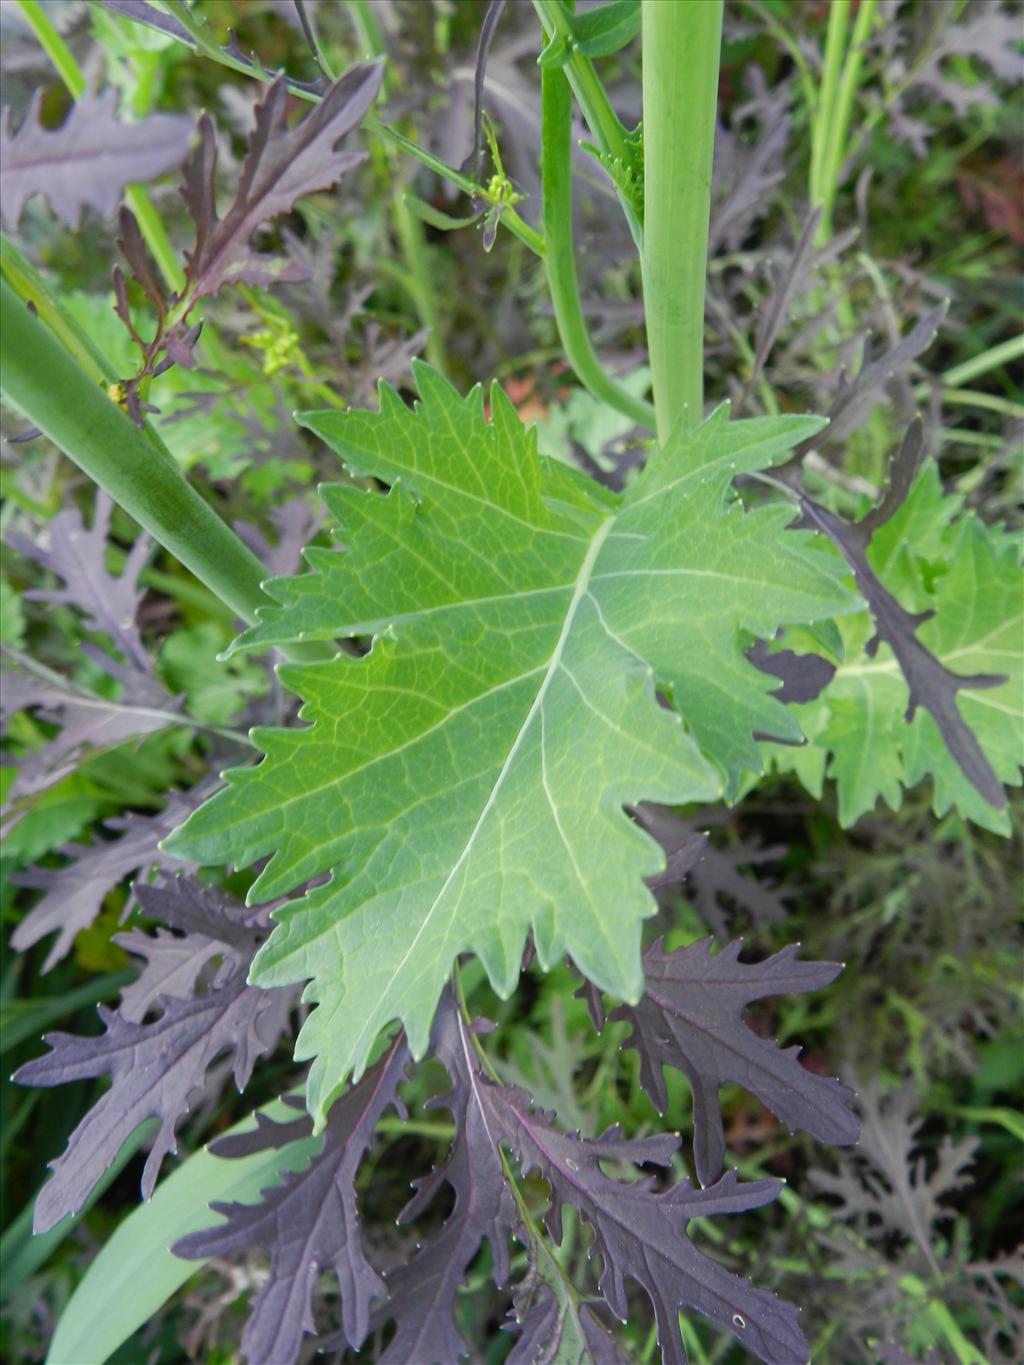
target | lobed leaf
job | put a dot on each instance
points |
(281, 165)
(88, 161)
(946, 654)
(309, 1222)
(690, 1017)
(887, 1186)
(640, 1233)
(463, 783)
(154, 1068)
(75, 893)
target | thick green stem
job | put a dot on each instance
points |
(41, 379)
(681, 45)
(556, 175)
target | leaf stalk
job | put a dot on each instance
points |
(559, 260)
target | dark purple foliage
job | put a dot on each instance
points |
(155, 1067)
(141, 12)
(640, 1233)
(309, 1223)
(803, 676)
(422, 1294)
(690, 1017)
(545, 1325)
(77, 556)
(282, 164)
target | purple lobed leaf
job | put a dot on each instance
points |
(422, 1294)
(310, 1222)
(930, 683)
(154, 1068)
(141, 12)
(544, 1332)
(76, 555)
(75, 892)
(281, 165)
(887, 1186)
(713, 873)
(88, 723)
(89, 160)
(690, 1017)
(176, 962)
(639, 1232)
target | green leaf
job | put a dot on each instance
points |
(968, 575)
(464, 782)
(215, 690)
(599, 32)
(607, 29)
(135, 1272)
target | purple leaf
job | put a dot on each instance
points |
(141, 12)
(887, 1186)
(639, 1233)
(88, 723)
(75, 892)
(154, 1069)
(422, 1294)
(282, 164)
(175, 962)
(550, 1326)
(713, 873)
(308, 1223)
(89, 160)
(856, 397)
(804, 676)
(77, 557)
(690, 1017)
(268, 1134)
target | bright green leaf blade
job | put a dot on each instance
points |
(464, 782)
(135, 1272)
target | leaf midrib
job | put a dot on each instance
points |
(579, 592)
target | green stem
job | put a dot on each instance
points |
(556, 176)
(41, 379)
(54, 46)
(509, 218)
(30, 288)
(1002, 354)
(681, 46)
(835, 44)
(839, 119)
(605, 126)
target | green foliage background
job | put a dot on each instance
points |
(922, 911)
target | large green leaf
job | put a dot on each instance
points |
(464, 782)
(968, 575)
